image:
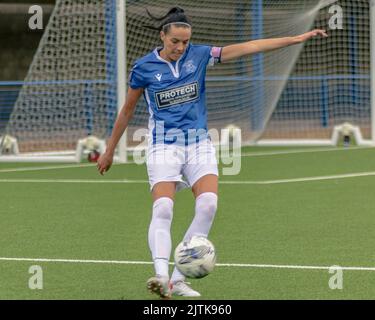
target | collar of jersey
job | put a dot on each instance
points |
(175, 70)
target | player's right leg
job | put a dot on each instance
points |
(165, 177)
(159, 237)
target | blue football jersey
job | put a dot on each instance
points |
(175, 93)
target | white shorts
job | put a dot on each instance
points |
(182, 164)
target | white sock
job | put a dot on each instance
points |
(205, 209)
(159, 235)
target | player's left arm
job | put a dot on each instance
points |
(235, 51)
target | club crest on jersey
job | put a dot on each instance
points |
(158, 76)
(176, 96)
(189, 66)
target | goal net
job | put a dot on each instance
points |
(70, 91)
(292, 94)
(330, 83)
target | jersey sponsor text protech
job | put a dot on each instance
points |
(175, 96)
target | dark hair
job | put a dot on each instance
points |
(174, 15)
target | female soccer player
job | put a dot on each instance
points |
(172, 81)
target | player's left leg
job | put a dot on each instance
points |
(208, 183)
(203, 176)
(205, 192)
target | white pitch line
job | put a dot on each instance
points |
(286, 152)
(246, 154)
(75, 261)
(239, 182)
(24, 169)
(306, 179)
(234, 265)
(45, 168)
(124, 181)
(241, 265)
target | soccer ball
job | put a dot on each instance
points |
(93, 156)
(195, 258)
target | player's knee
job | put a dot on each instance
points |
(163, 208)
(206, 204)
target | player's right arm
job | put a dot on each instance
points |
(122, 121)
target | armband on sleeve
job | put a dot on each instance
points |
(215, 56)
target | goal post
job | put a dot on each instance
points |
(372, 70)
(121, 72)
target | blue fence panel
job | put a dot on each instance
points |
(324, 97)
(8, 97)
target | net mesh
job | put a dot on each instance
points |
(242, 92)
(298, 92)
(70, 89)
(330, 83)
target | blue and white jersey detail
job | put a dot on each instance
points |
(175, 93)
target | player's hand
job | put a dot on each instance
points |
(312, 34)
(104, 162)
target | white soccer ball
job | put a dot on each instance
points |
(195, 258)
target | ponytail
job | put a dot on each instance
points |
(175, 15)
